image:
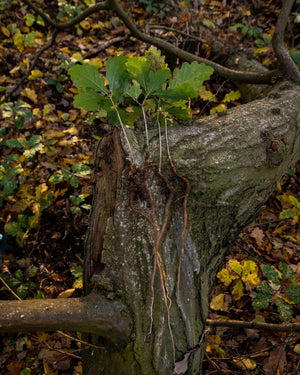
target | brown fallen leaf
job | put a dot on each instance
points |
(258, 236)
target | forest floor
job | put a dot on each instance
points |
(46, 181)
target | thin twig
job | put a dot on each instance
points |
(167, 28)
(74, 21)
(78, 340)
(9, 288)
(282, 327)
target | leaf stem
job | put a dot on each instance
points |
(123, 129)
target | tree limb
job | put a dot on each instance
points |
(284, 327)
(287, 64)
(66, 25)
(231, 74)
(32, 66)
(91, 314)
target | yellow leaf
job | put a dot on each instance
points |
(232, 96)
(236, 266)
(35, 74)
(297, 349)
(66, 293)
(42, 336)
(217, 302)
(85, 25)
(225, 276)
(218, 108)
(97, 63)
(245, 363)
(238, 290)
(5, 31)
(31, 94)
(250, 272)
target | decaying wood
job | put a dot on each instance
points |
(91, 314)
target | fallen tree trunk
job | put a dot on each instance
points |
(232, 164)
(91, 314)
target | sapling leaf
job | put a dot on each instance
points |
(87, 76)
(117, 76)
(89, 100)
(192, 73)
(138, 68)
(134, 90)
(182, 92)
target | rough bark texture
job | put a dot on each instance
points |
(93, 314)
(233, 163)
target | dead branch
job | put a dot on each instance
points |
(233, 75)
(287, 64)
(32, 66)
(76, 20)
(91, 314)
(284, 327)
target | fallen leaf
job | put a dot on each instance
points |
(217, 302)
(258, 236)
(182, 366)
(245, 363)
(66, 293)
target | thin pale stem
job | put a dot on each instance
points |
(123, 129)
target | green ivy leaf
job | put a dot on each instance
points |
(9, 185)
(87, 76)
(271, 274)
(293, 292)
(285, 310)
(261, 301)
(22, 291)
(287, 214)
(286, 271)
(74, 181)
(13, 143)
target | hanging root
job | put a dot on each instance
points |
(184, 210)
(157, 237)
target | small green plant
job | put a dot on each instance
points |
(277, 286)
(154, 6)
(139, 85)
(71, 175)
(21, 282)
(18, 111)
(77, 272)
(247, 30)
(281, 288)
(291, 207)
(79, 203)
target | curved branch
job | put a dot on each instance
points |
(91, 314)
(231, 74)
(32, 66)
(63, 26)
(284, 327)
(286, 62)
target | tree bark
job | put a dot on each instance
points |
(91, 314)
(232, 163)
